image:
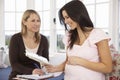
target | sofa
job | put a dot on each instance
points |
(4, 73)
(5, 67)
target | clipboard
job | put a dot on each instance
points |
(36, 76)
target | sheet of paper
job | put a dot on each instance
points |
(37, 58)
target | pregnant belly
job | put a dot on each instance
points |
(81, 73)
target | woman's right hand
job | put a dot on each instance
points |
(37, 71)
(50, 68)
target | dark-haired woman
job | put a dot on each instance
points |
(88, 53)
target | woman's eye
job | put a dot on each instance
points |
(38, 20)
(33, 20)
(67, 17)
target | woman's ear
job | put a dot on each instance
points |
(24, 22)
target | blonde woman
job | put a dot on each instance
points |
(31, 40)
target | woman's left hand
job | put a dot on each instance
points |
(73, 60)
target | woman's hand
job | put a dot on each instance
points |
(74, 60)
(50, 68)
(37, 71)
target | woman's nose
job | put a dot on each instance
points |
(37, 23)
(66, 21)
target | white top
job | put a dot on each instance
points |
(34, 50)
(88, 50)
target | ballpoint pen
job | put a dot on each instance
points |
(42, 68)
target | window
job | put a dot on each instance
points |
(59, 28)
(13, 13)
(98, 11)
(43, 8)
(119, 27)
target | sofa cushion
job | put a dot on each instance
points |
(4, 73)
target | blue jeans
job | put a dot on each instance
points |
(61, 77)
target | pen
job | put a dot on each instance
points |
(42, 68)
(36, 65)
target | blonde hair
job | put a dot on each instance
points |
(25, 16)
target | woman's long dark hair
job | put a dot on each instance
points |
(77, 11)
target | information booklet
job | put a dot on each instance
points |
(42, 60)
(37, 57)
